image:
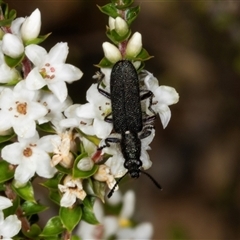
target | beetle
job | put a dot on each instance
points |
(127, 117)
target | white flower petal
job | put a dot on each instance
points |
(166, 95)
(58, 53)
(59, 89)
(25, 171)
(10, 227)
(165, 114)
(34, 80)
(5, 203)
(101, 128)
(67, 72)
(67, 199)
(12, 153)
(25, 128)
(44, 168)
(35, 54)
(128, 205)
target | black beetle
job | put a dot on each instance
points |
(127, 116)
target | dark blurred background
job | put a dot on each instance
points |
(196, 48)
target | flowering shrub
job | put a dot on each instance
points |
(43, 134)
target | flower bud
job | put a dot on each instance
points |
(121, 26)
(111, 23)
(31, 27)
(111, 52)
(12, 46)
(134, 45)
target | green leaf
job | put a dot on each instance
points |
(13, 62)
(30, 208)
(63, 169)
(109, 9)
(46, 127)
(131, 14)
(142, 56)
(115, 38)
(92, 139)
(99, 189)
(6, 171)
(70, 217)
(74, 237)
(88, 214)
(37, 40)
(55, 196)
(123, 3)
(53, 227)
(33, 232)
(104, 63)
(26, 192)
(7, 137)
(52, 183)
(77, 173)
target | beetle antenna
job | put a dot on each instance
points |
(115, 185)
(154, 181)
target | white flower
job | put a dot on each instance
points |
(31, 155)
(134, 45)
(12, 45)
(119, 24)
(31, 27)
(73, 120)
(18, 110)
(50, 69)
(111, 52)
(141, 231)
(9, 226)
(163, 97)
(54, 107)
(117, 227)
(104, 175)
(62, 146)
(97, 109)
(71, 189)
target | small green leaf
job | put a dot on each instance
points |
(30, 208)
(13, 62)
(77, 173)
(115, 38)
(109, 9)
(74, 237)
(99, 189)
(131, 14)
(38, 40)
(33, 232)
(104, 63)
(52, 183)
(46, 127)
(26, 192)
(55, 196)
(70, 217)
(142, 56)
(6, 171)
(88, 214)
(53, 227)
(123, 4)
(7, 137)
(92, 139)
(63, 169)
